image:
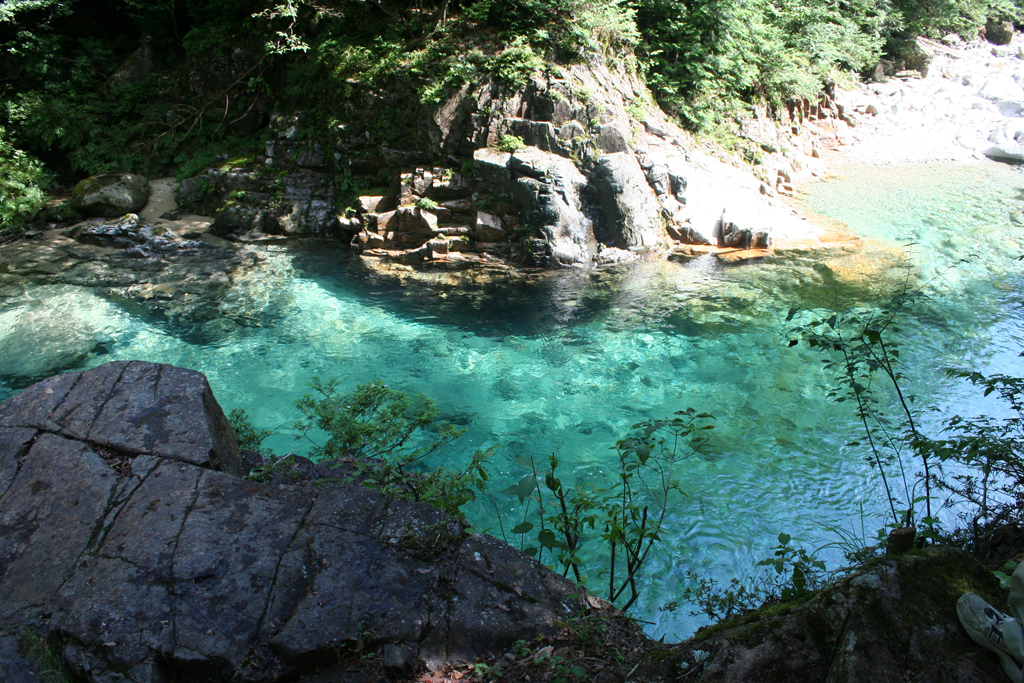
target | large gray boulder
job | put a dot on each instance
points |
(110, 195)
(130, 538)
(630, 212)
(131, 409)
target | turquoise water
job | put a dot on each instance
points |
(568, 362)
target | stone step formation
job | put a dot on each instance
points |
(433, 218)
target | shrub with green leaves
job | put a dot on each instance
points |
(22, 180)
(514, 65)
(372, 422)
(620, 519)
(246, 435)
(377, 433)
(708, 59)
(988, 452)
(509, 143)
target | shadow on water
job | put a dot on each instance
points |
(699, 297)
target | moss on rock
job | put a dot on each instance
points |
(110, 195)
(895, 621)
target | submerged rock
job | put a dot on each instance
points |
(170, 269)
(129, 233)
(132, 540)
(52, 328)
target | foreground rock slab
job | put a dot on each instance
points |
(130, 538)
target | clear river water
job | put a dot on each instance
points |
(568, 363)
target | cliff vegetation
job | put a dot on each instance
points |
(170, 86)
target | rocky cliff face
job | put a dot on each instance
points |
(130, 538)
(571, 169)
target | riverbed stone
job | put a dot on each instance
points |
(52, 327)
(1001, 87)
(110, 194)
(1007, 142)
(999, 32)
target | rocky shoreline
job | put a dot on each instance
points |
(965, 101)
(574, 169)
(630, 186)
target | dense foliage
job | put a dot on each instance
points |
(168, 85)
(92, 87)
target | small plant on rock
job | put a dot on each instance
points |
(803, 571)
(46, 653)
(516, 63)
(509, 144)
(247, 436)
(989, 467)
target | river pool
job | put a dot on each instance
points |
(567, 363)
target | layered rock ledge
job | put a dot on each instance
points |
(130, 536)
(574, 169)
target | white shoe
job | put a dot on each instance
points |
(985, 624)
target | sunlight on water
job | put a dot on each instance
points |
(568, 363)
